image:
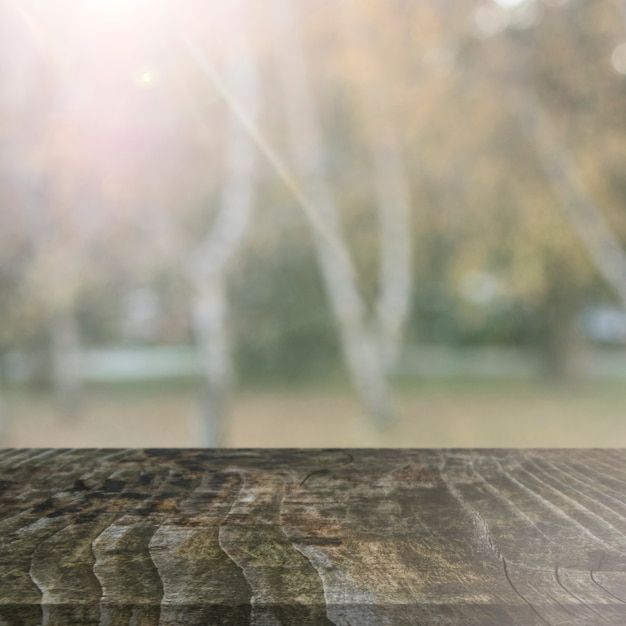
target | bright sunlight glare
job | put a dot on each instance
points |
(510, 3)
(618, 58)
(116, 9)
(146, 77)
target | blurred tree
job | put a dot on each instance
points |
(367, 34)
(210, 261)
(74, 144)
(37, 239)
(528, 69)
(364, 353)
(503, 225)
(567, 181)
(501, 124)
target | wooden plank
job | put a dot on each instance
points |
(345, 537)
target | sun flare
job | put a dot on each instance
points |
(117, 9)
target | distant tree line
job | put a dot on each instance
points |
(312, 183)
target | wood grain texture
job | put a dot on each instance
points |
(297, 537)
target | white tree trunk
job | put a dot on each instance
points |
(66, 361)
(3, 424)
(210, 316)
(391, 186)
(210, 262)
(359, 345)
(394, 210)
(585, 217)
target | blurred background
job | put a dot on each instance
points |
(312, 223)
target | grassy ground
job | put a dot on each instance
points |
(450, 414)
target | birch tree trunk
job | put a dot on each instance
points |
(210, 262)
(210, 317)
(3, 423)
(391, 184)
(66, 361)
(359, 346)
(394, 210)
(585, 217)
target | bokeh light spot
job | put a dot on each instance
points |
(488, 20)
(115, 9)
(146, 77)
(618, 58)
(510, 3)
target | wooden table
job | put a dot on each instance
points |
(296, 537)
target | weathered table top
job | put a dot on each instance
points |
(296, 537)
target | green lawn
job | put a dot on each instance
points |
(433, 414)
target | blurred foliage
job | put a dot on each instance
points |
(112, 161)
(283, 326)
